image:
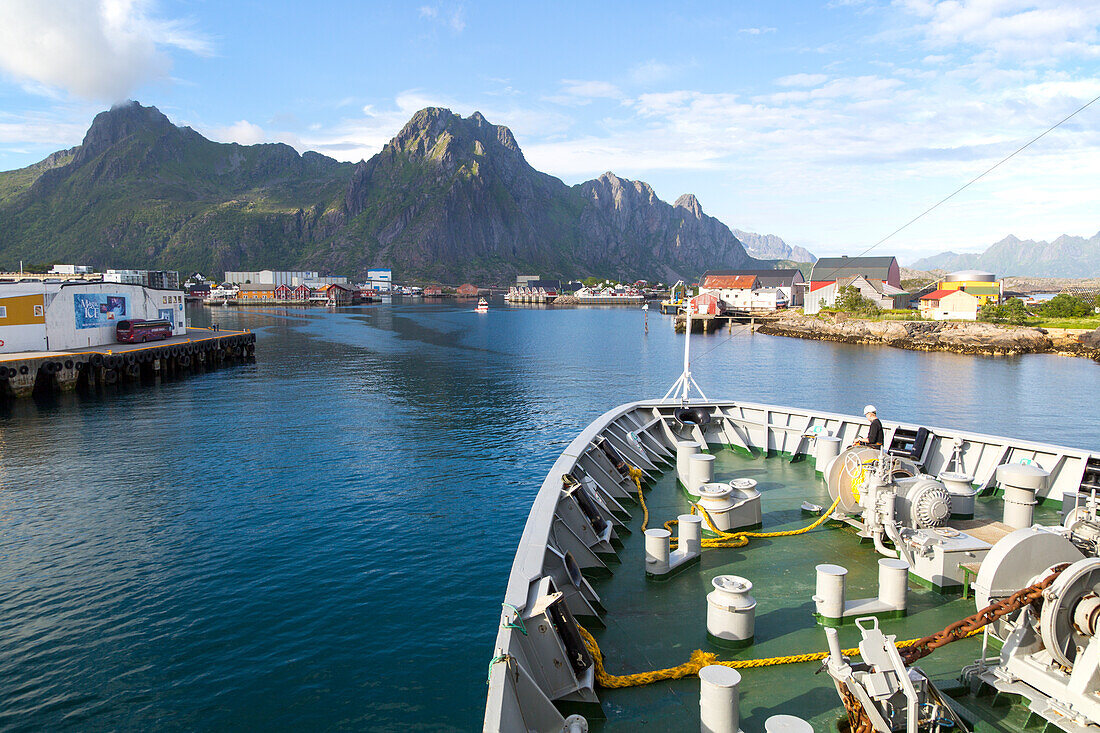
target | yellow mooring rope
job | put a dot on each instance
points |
(724, 539)
(700, 659)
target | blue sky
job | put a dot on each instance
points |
(828, 124)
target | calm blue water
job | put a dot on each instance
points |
(321, 540)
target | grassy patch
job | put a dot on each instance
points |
(1089, 322)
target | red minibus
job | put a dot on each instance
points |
(138, 330)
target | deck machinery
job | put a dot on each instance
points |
(910, 502)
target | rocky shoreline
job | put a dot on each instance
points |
(961, 338)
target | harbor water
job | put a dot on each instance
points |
(321, 540)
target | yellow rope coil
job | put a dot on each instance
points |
(724, 539)
(700, 659)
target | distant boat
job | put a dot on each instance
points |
(482, 306)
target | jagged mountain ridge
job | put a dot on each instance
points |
(448, 198)
(1066, 256)
(771, 247)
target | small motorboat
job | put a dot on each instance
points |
(482, 306)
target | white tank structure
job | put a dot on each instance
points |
(700, 471)
(961, 488)
(971, 276)
(731, 612)
(826, 449)
(685, 449)
(719, 699)
(731, 506)
(787, 724)
(1020, 483)
(832, 609)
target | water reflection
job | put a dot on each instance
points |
(314, 540)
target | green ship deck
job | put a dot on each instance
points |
(653, 624)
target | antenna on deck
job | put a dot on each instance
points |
(685, 381)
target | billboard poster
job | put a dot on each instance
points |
(94, 310)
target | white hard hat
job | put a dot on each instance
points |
(869, 408)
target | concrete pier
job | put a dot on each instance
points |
(42, 372)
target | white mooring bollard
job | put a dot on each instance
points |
(656, 551)
(719, 690)
(685, 449)
(731, 612)
(787, 724)
(893, 583)
(829, 593)
(826, 448)
(689, 534)
(962, 493)
(700, 471)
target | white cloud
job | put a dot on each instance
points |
(757, 31)
(100, 50)
(242, 131)
(450, 15)
(651, 72)
(802, 80)
(578, 92)
(1032, 30)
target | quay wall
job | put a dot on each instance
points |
(45, 372)
(959, 337)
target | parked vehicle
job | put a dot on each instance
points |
(138, 330)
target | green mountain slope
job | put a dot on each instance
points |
(448, 198)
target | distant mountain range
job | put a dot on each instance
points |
(448, 198)
(771, 247)
(1066, 256)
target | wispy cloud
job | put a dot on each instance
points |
(96, 49)
(801, 80)
(450, 15)
(580, 92)
(1045, 31)
(757, 31)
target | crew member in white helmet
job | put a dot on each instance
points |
(874, 433)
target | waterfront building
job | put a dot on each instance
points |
(71, 270)
(705, 304)
(337, 293)
(43, 316)
(316, 282)
(789, 283)
(467, 290)
(157, 279)
(269, 277)
(881, 293)
(380, 279)
(257, 291)
(831, 269)
(951, 305)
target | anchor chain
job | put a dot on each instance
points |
(860, 722)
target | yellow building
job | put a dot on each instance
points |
(257, 291)
(983, 285)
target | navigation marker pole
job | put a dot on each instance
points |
(685, 381)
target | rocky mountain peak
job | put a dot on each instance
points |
(440, 134)
(120, 122)
(689, 202)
